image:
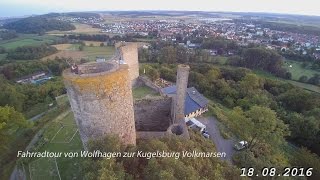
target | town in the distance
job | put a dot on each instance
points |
(159, 95)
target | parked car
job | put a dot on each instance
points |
(197, 125)
(205, 134)
(241, 145)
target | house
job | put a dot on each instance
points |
(195, 103)
(100, 59)
(31, 77)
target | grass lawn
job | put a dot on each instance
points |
(61, 47)
(61, 100)
(309, 87)
(297, 70)
(2, 56)
(94, 43)
(44, 168)
(60, 136)
(306, 86)
(93, 52)
(3, 59)
(80, 29)
(27, 40)
(90, 53)
(143, 91)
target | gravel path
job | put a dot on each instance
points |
(222, 145)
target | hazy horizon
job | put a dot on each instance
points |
(35, 7)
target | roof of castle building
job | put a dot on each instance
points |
(194, 100)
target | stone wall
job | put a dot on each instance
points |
(151, 134)
(142, 80)
(179, 126)
(152, 114)
(182, 83)
(129, 53)
(102, 104)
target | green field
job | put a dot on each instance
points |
(27, 40)
(143, 91)
(61, 100)
(93, 52)
(44, 168)
(2, 56)
(59, 136)
(309, 87)
(297, 70)
(306, 86)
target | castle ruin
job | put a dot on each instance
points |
(101, 100)
(129, 54)
(100, 95)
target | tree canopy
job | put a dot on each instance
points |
(38, 24)
(158, 168)
(10, 122)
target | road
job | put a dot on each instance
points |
(222, 145)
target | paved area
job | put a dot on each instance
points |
(222, 145)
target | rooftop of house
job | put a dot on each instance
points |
(194, 100)
(31, 75)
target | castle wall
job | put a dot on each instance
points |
(179, 126)
(147, 82)
(102, 104)
(152, 114)
(182, 83)
(129, 53)
(151, 134)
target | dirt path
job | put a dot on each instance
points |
(222, 145)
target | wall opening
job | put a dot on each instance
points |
(177, 130)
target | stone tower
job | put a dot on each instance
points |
(129, 54)
(179, 126)
(100, 95)
(182, 83)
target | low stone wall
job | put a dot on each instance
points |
(151, 134)
(146, 81)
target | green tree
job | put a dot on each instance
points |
(304, 158)
(213, 74)
(168, 54)
(304, 129)
(298, 100)
(258, 125)
(110, 170)
(153, 74)
(10, 96)
(250, 83)
(10, 122)
(159, 168)
(81, 47)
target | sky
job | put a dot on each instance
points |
(29, 7)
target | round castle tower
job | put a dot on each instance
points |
(179, 126)
(129, 54)
(100, 95)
